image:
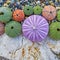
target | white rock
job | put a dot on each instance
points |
(20, 48)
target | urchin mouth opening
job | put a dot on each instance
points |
(51, 12)
(58, 29)
(1, 13)
(17, 14)
(37, 9)
(27, 9)
(12, 27)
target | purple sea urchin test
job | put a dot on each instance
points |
(35, 28)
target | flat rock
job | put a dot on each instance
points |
(20, 48)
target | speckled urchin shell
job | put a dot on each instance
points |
(5, 14)
(13, 29)
(54, 32)
(58, 15)
(2, 28)
(49, 12)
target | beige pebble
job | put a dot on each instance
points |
(57, 8)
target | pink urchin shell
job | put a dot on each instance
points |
(49, 12)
